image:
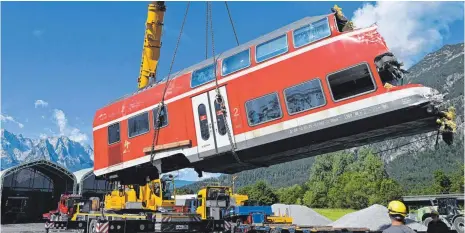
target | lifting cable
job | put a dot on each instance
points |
(232, 23)
(219, 98)
(162, 103)
(206, 30)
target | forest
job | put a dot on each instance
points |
(352, 179)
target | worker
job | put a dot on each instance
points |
(397, 212)
(436, 226)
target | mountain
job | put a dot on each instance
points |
(17, 149)
(409, 160)
(443, 71)
(182, 183)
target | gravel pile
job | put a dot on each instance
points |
(301, 215)
(375, 218)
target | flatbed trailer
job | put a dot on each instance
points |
(292, 228)
(147, 222)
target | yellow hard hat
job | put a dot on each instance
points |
(397, 208)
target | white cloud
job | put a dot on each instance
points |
(38, 32)
(40, 103)
(190, 175)
(43, 136)
(410, 29)
(65, 129)
(6, 118)
(43, 117)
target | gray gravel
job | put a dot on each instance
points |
(22, 228)
(375, 218)
(301, 215)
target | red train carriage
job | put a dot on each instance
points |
(303, 90)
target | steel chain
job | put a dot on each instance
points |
(218, 93)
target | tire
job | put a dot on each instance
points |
(427, 221)
(91, 228)
(459, 224)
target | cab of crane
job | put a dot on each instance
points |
(168, 189)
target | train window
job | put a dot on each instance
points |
(271, 48)
(203, 75)
(311, 33)
(235, 62)
(351, 82)
(305, 96)
(113, 133)
(203, 120)
(138, 125)
(263, 109)
(219, 119)
(163, 117)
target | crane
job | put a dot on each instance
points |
(152, 43)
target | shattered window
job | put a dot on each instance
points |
(304, 96)
(138, 125)
(351, 82)
(236, 62)
(263, 109)
(271, 48)
(311, 33)
(113, 133)
(202, 76)
(163, 121)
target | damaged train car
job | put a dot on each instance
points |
(312, 87)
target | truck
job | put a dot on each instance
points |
(64, 210)
(149, 207)
(445, 205)
(15, 209)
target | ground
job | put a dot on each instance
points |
(334, 214)
(23, 228)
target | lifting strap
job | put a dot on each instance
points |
(219, 98)
(162, 102)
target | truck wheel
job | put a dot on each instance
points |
(91, 228)
(427, 221)
(458, 224)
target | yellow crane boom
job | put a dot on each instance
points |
(152, 42)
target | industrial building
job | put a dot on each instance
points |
(30, 189)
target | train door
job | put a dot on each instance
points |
(210, 127)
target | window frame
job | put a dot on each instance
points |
(275, 38)
(207, 109)
(250, 63)
(263, 122)
(153, 117)
(360, 94)
(293, 38)
(335, 23)
(192, 75)
(148, 119)
(308, 81)
(108, 133)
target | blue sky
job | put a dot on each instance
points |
(78, 56)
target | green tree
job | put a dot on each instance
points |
(183, 191)
(261, 192)
(442, 182)
(290, 195)
(457, 179)
(350, 180)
